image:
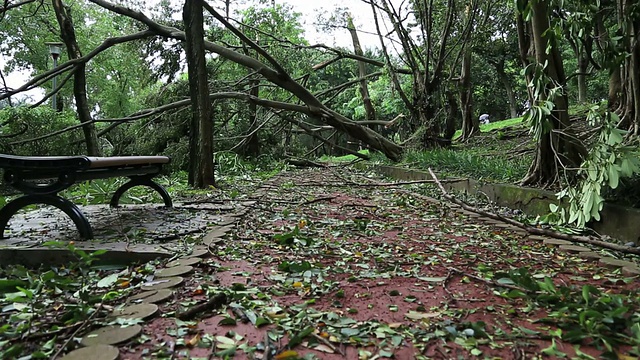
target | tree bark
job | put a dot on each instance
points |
(525, 47)
(583, 63)
(633, 88)
(508, 88)
(470, 125)
(362, 71)
(201, 133)
(615, 80)
(452, 116)
(68, 34)
(554, 151)
(252, 143)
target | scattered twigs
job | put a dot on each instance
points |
(533, 230)
(400, 183)
(84, 323)
(324, 198)
(329, 344)
(487, 281)
(444, 284)
(305, 163)
(213, 303)
(240, 314)
(267, 347)
(212, 354)
(46, 334)
(349, 183)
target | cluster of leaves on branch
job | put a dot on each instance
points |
(611, 159)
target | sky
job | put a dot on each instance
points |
(310, 11)
(360, 11)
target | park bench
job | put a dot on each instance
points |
(41, 179)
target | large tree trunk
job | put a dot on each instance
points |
(583, 63)
(453, 114)
(201, 136)
(508, 87)
(554, 151)
(68, 35)
(251, 146)
(633, 87)
(470, 124)
(525, 47)
(615, 80)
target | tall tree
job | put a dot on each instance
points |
(370, 111)
(68, 35)
(201, 136)
(555, 150)
(496, 42)
(425, 54)
(470, 124)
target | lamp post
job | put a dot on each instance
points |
(55, 48)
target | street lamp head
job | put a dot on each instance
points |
(55, 48)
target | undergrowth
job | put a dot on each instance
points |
(465, 163)
(494, 125)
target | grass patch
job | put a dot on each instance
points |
(345, 158)
(494, 125)
(464, 163)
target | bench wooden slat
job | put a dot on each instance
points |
(44, 162)
(77, 162)
(124, 161)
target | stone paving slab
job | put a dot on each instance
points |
(131, 233)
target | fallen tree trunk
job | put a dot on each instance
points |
(272, 72)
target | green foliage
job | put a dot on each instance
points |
(100, 191)
(605, 319)
(344, 158)
(609, 160)
(495, 125)
(24, 123)
(116, 77)
(545, 92)
(28, 297)
(467, 163)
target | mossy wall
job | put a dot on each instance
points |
(616, 221)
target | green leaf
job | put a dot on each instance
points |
(552, 350)
(228, 352)
(99, 252)
(297, 339)
(227, 321)
(505, 281)
(349, 332)
(582, 355)
(108, 281)
(262, 321)
(10, 284)
(225, 342)
(613, 177)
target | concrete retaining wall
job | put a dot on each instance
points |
(616, 221)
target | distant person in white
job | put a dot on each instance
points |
(484, 119)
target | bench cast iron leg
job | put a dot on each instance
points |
(141, 180)
(65, 205)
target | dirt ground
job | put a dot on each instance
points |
(331, 264)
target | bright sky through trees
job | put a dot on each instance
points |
(312, 12)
